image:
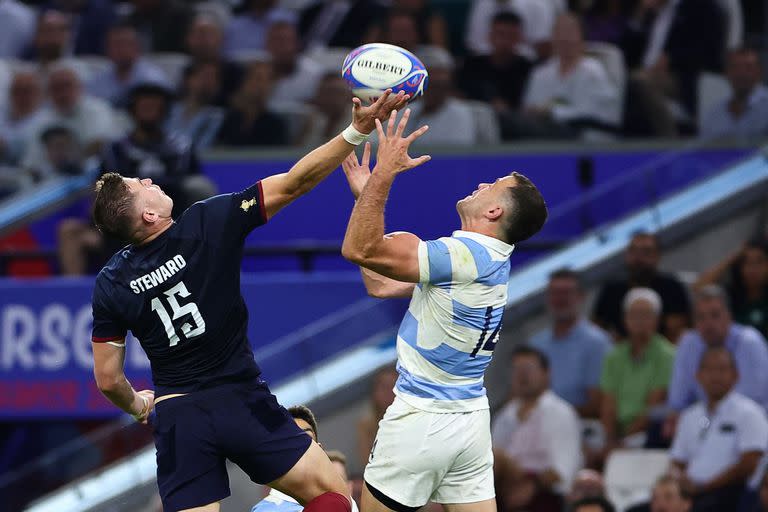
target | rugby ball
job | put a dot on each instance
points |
(373, 68)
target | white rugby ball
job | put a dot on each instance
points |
(373, 68)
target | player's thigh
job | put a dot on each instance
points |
(469, 479)
(412, 452)
(478, 506)
(314, 474)
(211, 507)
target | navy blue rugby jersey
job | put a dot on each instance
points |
(180, 296)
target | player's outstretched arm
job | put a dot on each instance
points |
(282, 189)
(365, 243)
(108, 361)
(377, 285)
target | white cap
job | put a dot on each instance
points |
(646, 294)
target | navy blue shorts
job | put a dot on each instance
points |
(195, 434)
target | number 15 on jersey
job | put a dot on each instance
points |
(178, 311)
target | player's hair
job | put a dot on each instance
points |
(527, 351)
(675, 482)
(302, 412)
(508, 17)
(113, 206)
(600, 501)
(337, 456)
(527, 210)
(567, 273)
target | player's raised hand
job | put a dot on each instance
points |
(364, 117)
(392, 155)
(357, 173)
(147, 403)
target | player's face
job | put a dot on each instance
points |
(150, 197)
(666, 498)
(485, 195)
(303, 425)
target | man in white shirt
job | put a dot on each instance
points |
(744, 114)
(569, 89)
(719, 440)
(536, 439)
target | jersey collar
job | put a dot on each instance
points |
(488, 241)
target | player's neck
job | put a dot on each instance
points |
(167, 223)
(479, 227)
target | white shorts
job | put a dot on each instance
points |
(421, 456)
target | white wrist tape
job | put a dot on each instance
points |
(353, 136)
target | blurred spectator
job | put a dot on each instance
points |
(538, 21)
(744, 114)
(126, 68)
(248, 31)
(52, 41)
(341, 23)
(430, 26)
(642, 270)
(598, 504)
(20, 121)
(194, 114)
(401, 29)
(205, 43)
(720, 439)
(536, 440)
(715, 328)
(498, 78)
(746, 275)
(382, 396)
(331, 109)
(569, 91)
(667, 495)
(91, 119)
(92, 19)
(636, 372)
(588, 483)
(162, 24)
(17, 28)
(248, 121)
(62, 153)
(450, 119)
(658, 42)
(296, 76)
(150, 152)
(574, 346)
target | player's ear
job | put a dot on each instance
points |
(149, 216)
(494, 212)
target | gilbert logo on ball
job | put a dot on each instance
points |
(373, 68)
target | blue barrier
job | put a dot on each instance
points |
(45, 327)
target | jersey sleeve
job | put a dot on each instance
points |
(445, 261)
(236, 214)
(106, 323)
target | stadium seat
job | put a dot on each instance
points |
(486, 123)
(592, 434)
(172, 64)
(89, 66)
(630, 474)
(221, 11)
(712, 88)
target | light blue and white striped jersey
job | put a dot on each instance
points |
(448, 334)
(276, 501)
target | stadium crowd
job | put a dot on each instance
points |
(266, 73)
(145, 86)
